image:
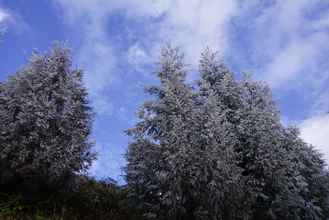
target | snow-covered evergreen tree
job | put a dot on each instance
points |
(266, 152)
(159, 170)
(220, 151)
(272, 177)
(314, 176)
(220, 100)
(45, 120)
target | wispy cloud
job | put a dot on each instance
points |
(5, 17)
(294, 59)
(192, 26)
(288, 38)
(110, 161)
(196, 25)
(138, 58)
(96, 54)
(11, 20)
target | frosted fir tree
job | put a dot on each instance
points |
(219, 151)
(263, 157)
(160, 159)
(273, 178)
(45, 121)
(313, 173)
(220, 103)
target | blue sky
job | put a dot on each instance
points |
(116, 42)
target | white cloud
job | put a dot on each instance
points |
(10, 19)
(315, 131)
(283, 37)
(287, 39)
(3, 15)
(293, 59)
(197, 24)
(96, 54)
(109, 163)
(77, 9)
(138, 57)
(192, 26)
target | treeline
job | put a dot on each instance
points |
(211, 149)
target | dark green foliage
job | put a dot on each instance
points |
(92, 199)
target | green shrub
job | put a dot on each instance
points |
(91, 199)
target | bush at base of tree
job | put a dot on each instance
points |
(92, 199)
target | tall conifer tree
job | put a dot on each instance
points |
(220, 151)
(45, 121)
